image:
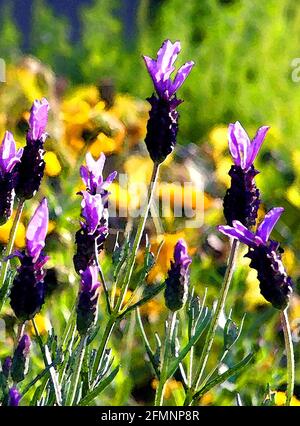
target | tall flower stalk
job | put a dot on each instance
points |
(275, 284)
(21, 171)
(241, 202)
(162, 128)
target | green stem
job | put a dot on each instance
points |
(102, 280)
(77, 369)
(214, 322)
(9, 248)
(289, 355)
(159, 396)
(107, 333)
(48, 361)
(138, 237)
(114, 316)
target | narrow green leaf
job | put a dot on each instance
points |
(95, 392)
(236, 369)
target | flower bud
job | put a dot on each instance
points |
(178, 278)
(20, 360)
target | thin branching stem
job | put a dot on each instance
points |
(289, 356)
(214, 322)
(48, 361)
(159, 396)
(8, 251)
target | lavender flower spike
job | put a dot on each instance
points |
(92, 177)
(161, 69)
(87, 300)
(178, 278)
(242, 199)
(20, 360)
(31, 169)
(93, 232)
(275, 285)
(28, 289)
(38, 120)
(162, 126)
(9, 157)
(37, 230)
(14, 397)
(244, 151)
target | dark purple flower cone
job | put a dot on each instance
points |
(6, 366)
(241, 201)
(162, 127)
(176, 287)
(86, 310)
(31, 169)
(275, 285)
(85, 254)
(14, 397)
(20, 360)
(28, 289)
(7, 195)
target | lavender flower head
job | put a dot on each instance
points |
(275, 285)
(242, 199)
(6, 366)
(20, 360)
(91, 236)
(87, 300)
(28, 289)
(31, 168)
(160, 70)
(162, 126)
(178, 278)
(92, 175)
(9, 157)
(14, 397)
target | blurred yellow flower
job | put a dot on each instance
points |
(252, 296)
(206, 399)
(280, 399)
(138, 168)
(20, 235)
(42, 324)
(223, 166)
(29, 83)
(53, 167)
(166, 253)
(75, 111)
(218, 138)
(152, 310)
(171, 386)
(104, 144)
(293, 195)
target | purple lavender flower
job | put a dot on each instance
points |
(9, 157)
(275, 285)
(242, 199)
(31, 168)
(92, 175)
(87, 300)
(20, 360)
(162, 126)
(160, 69)
(6, 366)
(28, 289)
(93, 232)
(38, 120)
(178, 278)
(94, 229)
(14, 397)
